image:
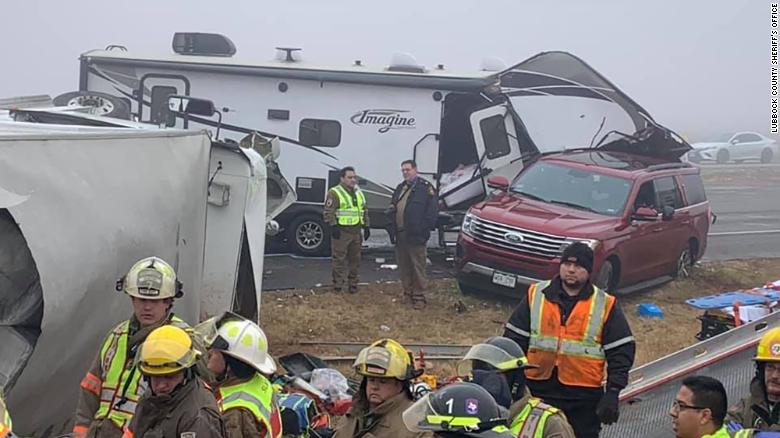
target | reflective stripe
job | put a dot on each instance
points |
(79, 430)
(618, 343)
(598, 307)
(349, 214)
(579, 349)
(107, 394)
(91, 383)
(257, 396)
(544, 343)
(532, 420)
(509, 326)
(247, 397)
(536, 306)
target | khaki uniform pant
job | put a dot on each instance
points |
(346, 258)
(411, 260)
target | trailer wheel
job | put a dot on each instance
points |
(307, 235)
(104, 104)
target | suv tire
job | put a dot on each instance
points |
(684, 263)
(605, 280)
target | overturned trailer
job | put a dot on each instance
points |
(78, 205)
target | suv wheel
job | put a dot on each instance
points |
(723, 156)
(605, 280)
(684, 264)
(766, 156)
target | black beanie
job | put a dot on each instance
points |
(580, 254)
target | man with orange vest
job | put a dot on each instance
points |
(579, 338)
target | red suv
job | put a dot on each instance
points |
(645, 218)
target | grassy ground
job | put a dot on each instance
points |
(747, 174)
(375, 312)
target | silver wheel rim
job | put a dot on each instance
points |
(684, 264)
(100, 104)
(604, 277)
(309, 235)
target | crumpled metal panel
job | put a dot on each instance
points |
(95, 204)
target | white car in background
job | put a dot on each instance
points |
(735, 146)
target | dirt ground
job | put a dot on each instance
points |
(748, 174)
(290, 317)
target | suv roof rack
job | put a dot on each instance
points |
(667, 166)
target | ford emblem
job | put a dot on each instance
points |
(514, 238)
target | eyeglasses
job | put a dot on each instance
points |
(678, 406)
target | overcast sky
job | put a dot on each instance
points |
(696, 66)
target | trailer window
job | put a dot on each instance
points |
(159, 106)
(495, 135)
(316, 132)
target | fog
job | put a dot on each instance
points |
(699, 67)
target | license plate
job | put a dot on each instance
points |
(507, 280)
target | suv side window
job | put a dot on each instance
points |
(645, 197)
(667, 193)
(694, 189)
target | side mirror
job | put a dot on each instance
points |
(191, 105)
(645, 214)
(498, 182)
(667, 213)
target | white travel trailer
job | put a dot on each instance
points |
(460, 128)
(78, 205)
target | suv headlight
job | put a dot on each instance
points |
(468, 222)
(592, 243)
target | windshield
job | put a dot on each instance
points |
(572, 187)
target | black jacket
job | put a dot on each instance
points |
(619, 359)
(422, 210)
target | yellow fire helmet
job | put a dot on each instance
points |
(385, 358)
(151, 278)
(769, 347)
(167, 350)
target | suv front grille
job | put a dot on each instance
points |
(517, 239)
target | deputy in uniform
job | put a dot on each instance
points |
(413, 212)
(345, 212)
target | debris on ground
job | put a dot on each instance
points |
(451, 317)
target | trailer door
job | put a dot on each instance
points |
(152, 98)
(496, 140)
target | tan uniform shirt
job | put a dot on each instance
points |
(401, 208)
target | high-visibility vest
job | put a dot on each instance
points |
(349, 214)
(530, 422)
(575, 348)
(5, 421)
(119, 388)
(258, 397)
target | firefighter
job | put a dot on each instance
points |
(498, 365)
(699, 409)
(6, 425)
(345, 211)
(761, 409)
(384, 394)
(413, 212)
(238, 357)
(458, 410)
(111, 388)
(574, 331)
(176, 404)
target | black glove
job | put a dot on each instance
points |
(607, 409)
(366, 233)
(335, 232)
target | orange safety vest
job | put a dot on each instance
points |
(575, 348)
